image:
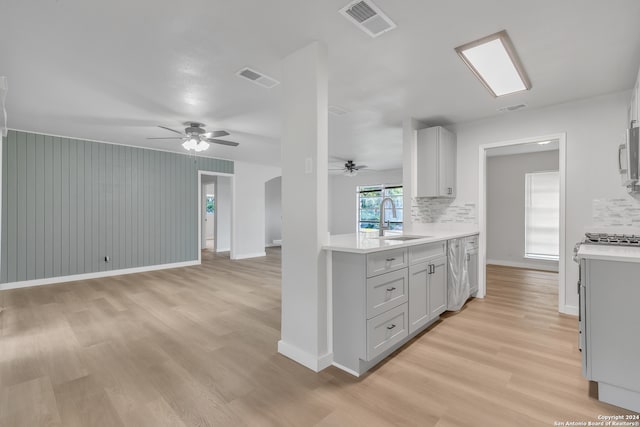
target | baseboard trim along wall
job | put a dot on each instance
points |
(532, 266)
(312, 362)
(569, 309)
(97, 275)
(246, 256)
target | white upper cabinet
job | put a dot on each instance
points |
(633, 107)
(436, 169)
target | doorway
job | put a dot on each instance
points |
(517, 226)
(215, 213)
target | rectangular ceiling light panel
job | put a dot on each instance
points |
(368, 17)
(494, 61)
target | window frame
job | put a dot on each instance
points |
(370, 188)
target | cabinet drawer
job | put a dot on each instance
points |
(385, 261)
(423, 253)
(386, 330)
(386, 291)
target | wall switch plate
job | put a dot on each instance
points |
(308, 165)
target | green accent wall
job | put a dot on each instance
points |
(68, 203)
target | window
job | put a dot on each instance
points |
(542, 215)
(369, 198)
(211, 204)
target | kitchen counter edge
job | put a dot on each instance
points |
(355, 243)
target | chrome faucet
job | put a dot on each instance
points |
(382, 220)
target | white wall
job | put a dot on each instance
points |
(209, 217)
(506, 206)
(223, 214)
(343, 199)
(273, 210)
(249, 208)
(594, 128)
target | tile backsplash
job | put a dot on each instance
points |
(621, 211)
(434, 210)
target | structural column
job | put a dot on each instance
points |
(409, 168)
(304, 208)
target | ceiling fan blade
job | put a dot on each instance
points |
(172, 130)
(361, 167)
(216, 134)
(171, 137)
(220, 141)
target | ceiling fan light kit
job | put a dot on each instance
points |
(195, 145)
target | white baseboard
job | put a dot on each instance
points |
(569, 309)
(96, 275)
(347, 370)
(222, 250)
(532, 265)
(304, 358)
(246, 256)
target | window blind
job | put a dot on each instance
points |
(542, 215)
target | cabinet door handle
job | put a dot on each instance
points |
(390, 259)
(391, 327)
(391, 289)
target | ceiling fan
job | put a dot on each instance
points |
(196, 138)
(350, 168)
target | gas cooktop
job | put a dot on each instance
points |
(612, 239)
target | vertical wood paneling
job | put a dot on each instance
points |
(21, 271)
(80, 192)
(57, 208)
(88, 208)
(12, 207)
(107, 249)
(145, 209)
(135, 209)
(30, 196)
(97, 231)
(48, 203)
(73, 206)
(173, 206)
(5, 221)
(65, 246)
(120, 196)
(40, 208)
(66, 204)
(126, 212)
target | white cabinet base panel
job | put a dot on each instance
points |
(619, 396)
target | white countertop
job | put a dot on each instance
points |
(609, 253)
(364, 243)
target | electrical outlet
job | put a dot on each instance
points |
(107, 258)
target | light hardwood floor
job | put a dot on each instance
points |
(197, 346)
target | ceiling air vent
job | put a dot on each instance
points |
(338, 111)
(257, 78)
(368, 17)
(511, 108)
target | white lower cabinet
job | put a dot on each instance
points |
(427, 292)
(438, 287)
(386, 330)
(382, 299)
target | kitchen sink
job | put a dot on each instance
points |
(404, 238)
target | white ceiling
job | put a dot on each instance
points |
(114, 70)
